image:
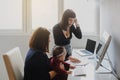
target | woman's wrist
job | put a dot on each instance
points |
(77, 25)
(73, 59)
(69, 57)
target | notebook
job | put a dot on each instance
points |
(89, 49)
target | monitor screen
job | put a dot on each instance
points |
(90, 46)
(99, 49)
(103, 46)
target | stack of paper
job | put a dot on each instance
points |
(79, 71)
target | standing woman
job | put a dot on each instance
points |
(62, 32)
(37, 64)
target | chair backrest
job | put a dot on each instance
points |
(14, 64)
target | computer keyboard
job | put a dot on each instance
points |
(79, 71)
(83, 53)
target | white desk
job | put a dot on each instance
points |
(90, 70)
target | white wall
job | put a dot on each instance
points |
(110, 21)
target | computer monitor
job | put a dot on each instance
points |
(99, 49)
(102, 48)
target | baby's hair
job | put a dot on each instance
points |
(58, 51)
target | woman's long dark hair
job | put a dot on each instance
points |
(69, 13)
(40, 40)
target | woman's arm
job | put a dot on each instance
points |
(75, 60)
(77, 31)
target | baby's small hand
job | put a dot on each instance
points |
(69, 72)
(72, 67)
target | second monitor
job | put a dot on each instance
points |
(102, 48)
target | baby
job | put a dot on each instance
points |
(59, 65)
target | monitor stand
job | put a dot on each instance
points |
(107, 69)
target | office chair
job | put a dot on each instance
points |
(14, 64)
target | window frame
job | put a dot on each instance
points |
(16, 31)
(27, 20)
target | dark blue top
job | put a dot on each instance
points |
(59, 37)
(37, 66)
